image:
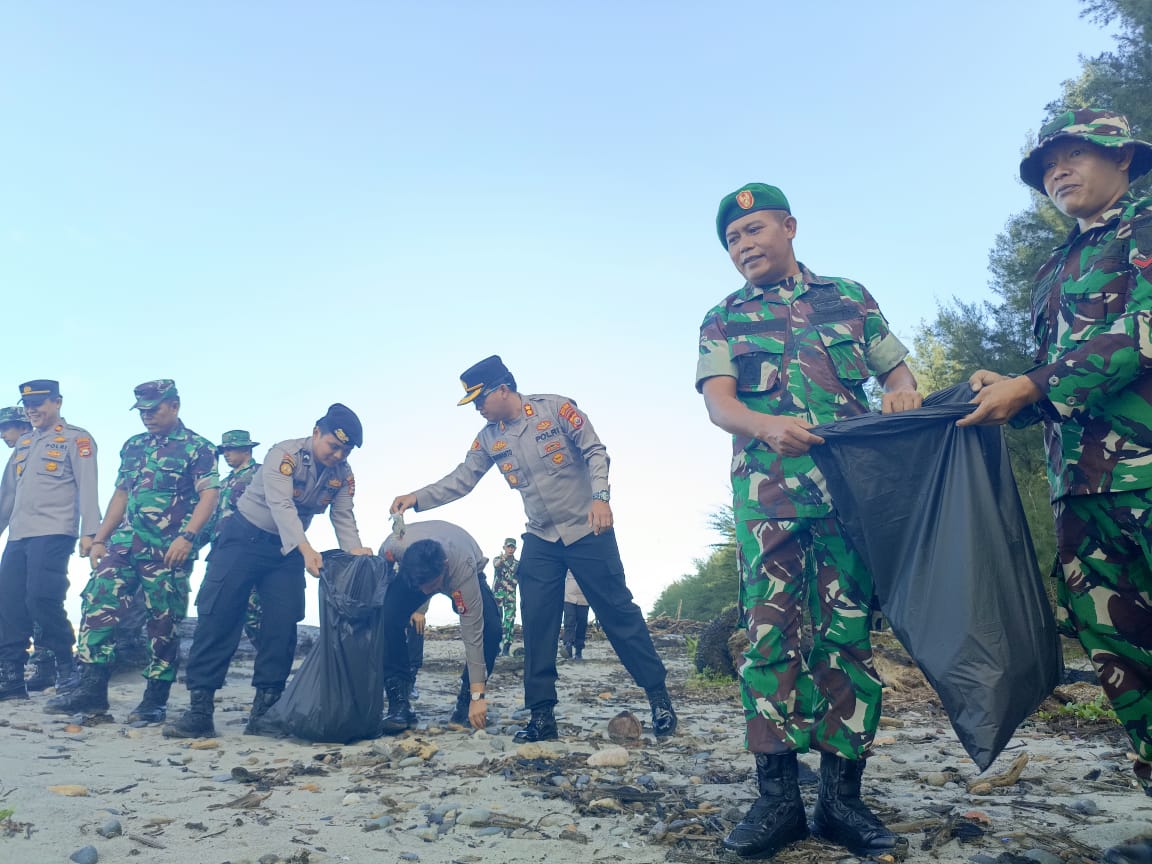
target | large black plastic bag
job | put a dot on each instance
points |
(934, 511)
(337, 694)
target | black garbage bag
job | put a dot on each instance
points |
(934, 511)
(337, 694)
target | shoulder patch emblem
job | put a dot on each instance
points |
(458, 603)
(1142, 262)
(576, 421)
(500, 445)
(529, 411)
(287, 466)
(351, 481)
(566, 410)
(543, 424)
(476, 444)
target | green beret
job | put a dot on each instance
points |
(748, 199)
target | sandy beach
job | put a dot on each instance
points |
(440, 794)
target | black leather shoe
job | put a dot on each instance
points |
(663, 715)
(542, 727)
(841, 816)
(776, 818)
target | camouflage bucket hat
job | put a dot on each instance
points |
(236, 439)
(13, 415)
(152, 393)
(1102, 128)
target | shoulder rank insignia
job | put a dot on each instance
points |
(25, 442)
(59, 427)
(458, 603)
(566, 410)
(1142, 262)
(351, 481)
(543, 424)
(529, 411)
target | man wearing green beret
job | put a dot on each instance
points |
(788, 351)
(504, 590)
(1091, 387)
(166, 490)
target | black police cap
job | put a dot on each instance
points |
(482, 378)
(35, 392)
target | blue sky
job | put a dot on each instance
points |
(282, 205)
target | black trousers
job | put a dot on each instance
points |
(575, 625)
(399, 604)
(595, 562)
(33, 585)
(415, 650)
(243, 556)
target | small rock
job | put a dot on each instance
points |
(474, 816)
(382, 821)
(410, 762)
(409, 856)
(1043, 856)
(111, 828)
(624, 728)
(657, 832)
(428, 835)
(85, 855)
(553, 820)
(936, 778)
(350, 798)
(1086, 806)
(614, 757)
(270, 858)
(490, 831)
(560, 781)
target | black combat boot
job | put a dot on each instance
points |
(460, 714)
(506, 649)
(258, 721)
(196, 722)
(566, 650)
(841, 816)
(153, 708)
(1133, 852)
(90, 695)
(776, 818)
(542, 727)
(67, 674)
(663, 715)
(399, 717)
(12, 680)
(43, 667)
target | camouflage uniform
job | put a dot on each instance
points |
(504, 590)
(164, 477)
(1092, 318)
(803, 348)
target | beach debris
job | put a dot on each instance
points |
(85, 855)
(624, 728)
(1008, 778)
(69, 790)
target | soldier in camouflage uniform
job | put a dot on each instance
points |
(236, 447)
(1092, 389)
(13, 424)
(788, 351)
(166, 491)
(504, 590)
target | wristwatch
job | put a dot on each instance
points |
(476, 697)
(602, 495)
(189, 536)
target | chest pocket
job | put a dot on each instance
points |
(169, 474)
(555, 454)
(509, 467)
(844, 342)
(1086, 313)
(758, 352)
(54, 462)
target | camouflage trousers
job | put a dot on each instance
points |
(110, 590)
(829, 700)
(506, 603)
(252, 617)
(1104, 592)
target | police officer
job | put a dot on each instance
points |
(1092, 389)
(437, 557)
(166, 490)
(546, 449)
(790, 350)
(48, 495)
(504, 590)
(13, 424)
(263, 545)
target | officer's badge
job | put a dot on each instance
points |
(543, 424)
(552, 446)
(458, 603)
(513, 480)
(59, 439)
(500, 445)
(55, 454)
(506, 467)
(51, 466)
(529, 411)
(59, 427)
(335, 482)
(1142, 262)
(25, 442)
(745, 200)
(558, 458)
(341, 435)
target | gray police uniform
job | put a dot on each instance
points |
(471, 598)
(552, 456)
(48, 497)
(257, 547)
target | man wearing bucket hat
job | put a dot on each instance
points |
(236, 447)
(166, 490)
(786, 352)
(546, 449)
(13, 424)
(1092, 389)
(504, 590)
(263, 545)
(48, 497)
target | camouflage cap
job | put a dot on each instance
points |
(34, 392)
(343, 423)
(1103, 128)
(152, 393)
(236, 439)
(510, 541)
(14, 414)
(482, 378)
(748, 199)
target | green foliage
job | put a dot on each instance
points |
(691, 643)
(5, 815)
(1094, 711)
(703, 595)
(709, 680)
